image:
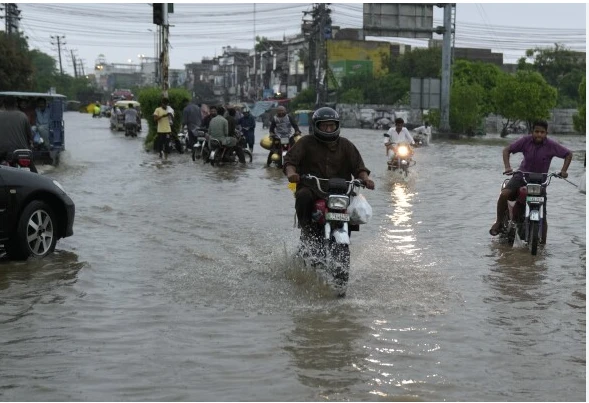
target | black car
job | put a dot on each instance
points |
(35, 212)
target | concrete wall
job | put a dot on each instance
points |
(561, 121)
(350, 114)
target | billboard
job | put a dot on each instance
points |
(352, 50)
(345, 68)
(402, 20)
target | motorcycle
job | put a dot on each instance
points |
(197, 147)
(20, 159)
(525, 214)
(217, 153)
(280, 146)
(329, 246)
(403, 158)
(130, 130)
(177, 142)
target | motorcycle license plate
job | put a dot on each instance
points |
(337, 217)
(284, 140)
(535, 199)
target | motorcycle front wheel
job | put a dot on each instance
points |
(533, 241)
(248, 155)
(340, 267)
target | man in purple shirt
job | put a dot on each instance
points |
(538, 152)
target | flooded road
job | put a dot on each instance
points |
(178, 286)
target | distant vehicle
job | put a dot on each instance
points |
(117, 122)
(122, 95)
(56, 103)
(35, 212)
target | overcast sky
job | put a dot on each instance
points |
(122, 31)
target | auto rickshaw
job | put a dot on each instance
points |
(44, 153)
(117, 120)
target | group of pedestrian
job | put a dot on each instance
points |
(219, 121)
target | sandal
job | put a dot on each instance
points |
(495, 230)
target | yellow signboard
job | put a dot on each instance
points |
(342, 50)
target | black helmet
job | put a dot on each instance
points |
(325, 115)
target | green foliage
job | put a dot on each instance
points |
(579, 119)
(562, 68)
(304, 100)
(150, 99)
(352, 96)
(484, 74)
(466, 107)
(387, 89)
(420, 62)
(525, 96)
(15, 66)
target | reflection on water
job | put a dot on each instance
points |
(518, 274)
(326, 350)
(399, 231)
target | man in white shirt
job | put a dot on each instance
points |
(423, 133)
(397, 135)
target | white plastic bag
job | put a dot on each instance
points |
(360, 211)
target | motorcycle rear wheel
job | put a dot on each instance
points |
(507, 230)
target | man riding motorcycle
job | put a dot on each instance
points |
(132, 119)
(396, 136)
(309, 156)
(538, 151)
(281, 126)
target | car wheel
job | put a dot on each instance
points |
(36, 232)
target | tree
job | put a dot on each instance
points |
(579, 119)
(44, 70)
(15, 66)
(352, 96)
(304, 100)
(420, 62)
(484, 74)
(466, 107)
(525, 96)
(562, 68)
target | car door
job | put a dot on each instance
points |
(3, 207)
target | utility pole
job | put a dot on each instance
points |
(74, 63)
(255, 55)
(165, 52)
(446, 70)
(58, 38)
(11, 16)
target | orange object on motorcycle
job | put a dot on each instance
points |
(522, 194)
(319, 211)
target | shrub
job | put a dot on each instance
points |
(150, 99)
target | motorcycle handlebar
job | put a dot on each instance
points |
(548, 176)
(351, 184)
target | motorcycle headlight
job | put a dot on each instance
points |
(403, 151)
(534, 189)
(338, 202)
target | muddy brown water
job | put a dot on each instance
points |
(178, 286)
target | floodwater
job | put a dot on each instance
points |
(178, 285)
